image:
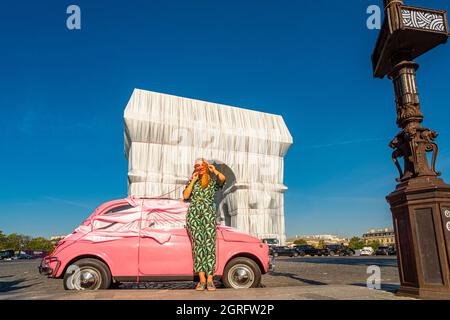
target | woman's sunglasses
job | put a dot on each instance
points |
(198, 166)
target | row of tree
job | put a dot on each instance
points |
(18, 242)
(355, 243)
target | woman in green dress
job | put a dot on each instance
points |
(201, 220)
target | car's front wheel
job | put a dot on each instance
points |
(241, 273)
(87, 274)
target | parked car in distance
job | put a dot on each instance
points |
(6, 254)
(306, 249)
(339, 250)
(271, 251)
(35, 253)
(386, 251)
(21, 256)
(323, 252)
(367, 251)
(138, 240)
(284, 251)
(271, 241)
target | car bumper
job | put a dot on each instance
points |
(49, 266)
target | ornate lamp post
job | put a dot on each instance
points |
(420, 204)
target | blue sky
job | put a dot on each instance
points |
(63, 94)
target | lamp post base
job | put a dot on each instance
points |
(421, 216)
(425, 294)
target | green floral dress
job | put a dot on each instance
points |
(201, 225)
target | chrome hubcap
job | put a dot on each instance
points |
(241, 276)
(86, 278)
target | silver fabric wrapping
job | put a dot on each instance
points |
(164, 134)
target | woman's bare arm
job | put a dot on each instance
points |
(220, 175)
(187, 192)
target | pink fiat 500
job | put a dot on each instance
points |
(135, 240)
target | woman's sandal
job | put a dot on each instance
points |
(200, 286)
(210, 286)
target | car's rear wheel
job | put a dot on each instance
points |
(241, 273)
(332, 253)
(87, 274)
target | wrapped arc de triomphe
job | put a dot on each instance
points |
(164, 134)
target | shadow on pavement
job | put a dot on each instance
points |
(384, 287)
(8, 286)
(174, 285)
(296, 277)
(382, 262)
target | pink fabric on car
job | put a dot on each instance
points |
(147, 218)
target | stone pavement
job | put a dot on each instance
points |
(332, 292)
(294, 278)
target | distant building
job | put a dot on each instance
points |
(384, 236)
(317, 239)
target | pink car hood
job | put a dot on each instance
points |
(232, 234)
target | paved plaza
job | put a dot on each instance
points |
(294, 278)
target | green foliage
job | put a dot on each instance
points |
(374, 245)
(300, 241)
(15, 241)
(2, 240)
(40, 243)
(321, 244)
(356, 243)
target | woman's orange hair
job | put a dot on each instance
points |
(205, 177)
